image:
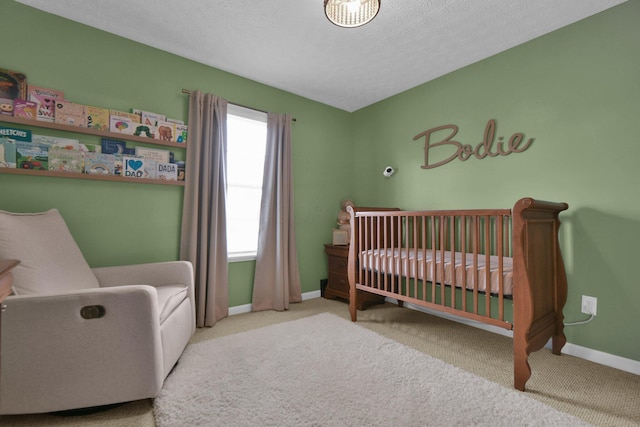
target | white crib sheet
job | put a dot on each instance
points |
(419, 264)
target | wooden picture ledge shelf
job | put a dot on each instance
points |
(94, 132)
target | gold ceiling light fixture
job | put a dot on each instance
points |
(351, 13)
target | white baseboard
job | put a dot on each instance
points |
(246, 308)
(602, 358)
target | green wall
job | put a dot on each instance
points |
(577, 92)
(122, 223)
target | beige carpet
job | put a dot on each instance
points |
(303, 373)
(599, 395)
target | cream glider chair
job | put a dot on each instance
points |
(75, 337)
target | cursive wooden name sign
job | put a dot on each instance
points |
(464, 151)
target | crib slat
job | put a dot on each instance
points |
(500, 253)
(358, 238)
(424, 258)
(463, 238)
(453, 260)
(487, 262)
(433, 258)
(476, 243)
(382, 260)
(414, 267)
(441, 241)
(376, 230)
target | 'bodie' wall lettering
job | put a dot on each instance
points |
(464, 151)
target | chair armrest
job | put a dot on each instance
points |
(5, 277)
(6, 265)
(153, 274)
(47, 344)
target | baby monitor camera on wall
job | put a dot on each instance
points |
(388, 171)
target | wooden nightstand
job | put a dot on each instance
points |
(338, 283)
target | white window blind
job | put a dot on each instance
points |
(246, 142)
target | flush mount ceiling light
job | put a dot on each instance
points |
(351, 13)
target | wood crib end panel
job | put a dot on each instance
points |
(540, 262)
(542, 286)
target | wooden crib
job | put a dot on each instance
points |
(468, 263)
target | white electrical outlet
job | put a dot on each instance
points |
(589, 305)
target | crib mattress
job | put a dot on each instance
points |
(419, 264)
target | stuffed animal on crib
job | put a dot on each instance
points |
(343, 233)
(343, 215)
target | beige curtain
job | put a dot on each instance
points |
(277, 279)
(204, 228)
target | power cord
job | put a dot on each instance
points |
(582, 322)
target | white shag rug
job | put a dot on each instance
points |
(327, 371)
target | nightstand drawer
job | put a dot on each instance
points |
(339, 282)
(337, 265)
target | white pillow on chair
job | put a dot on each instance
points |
(50, 260)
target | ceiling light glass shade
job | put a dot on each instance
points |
(351, 13)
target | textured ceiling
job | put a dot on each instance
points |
(290, 45)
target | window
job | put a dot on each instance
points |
(246, 142)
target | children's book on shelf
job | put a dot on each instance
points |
(131, 116)
(25, 109)
(6, 107)
(32, 156)
(157, 154)
(149, 131)
(148, 118)
(70, 114)
(151, 168)
(63, 160)
(117, 164)
(181, 170)
(90, 148)
(56, 141)
(166, 131)
(7, 152)
(167, 171)
(138, 167)
(99, 163)
(122, 125)
(114, 146)
(17, 134)
(46, 100)
(181, 133)
(13, 84)
(97, 118)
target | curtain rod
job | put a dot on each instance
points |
(187, 91)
